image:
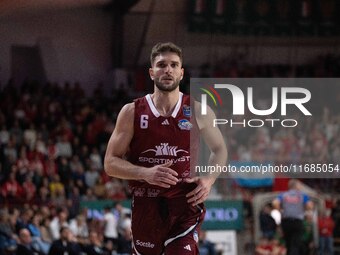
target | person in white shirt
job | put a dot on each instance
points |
(79, 227)
(57, 223)
(110, 226)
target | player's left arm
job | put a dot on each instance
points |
(308, 203)
(212, 136)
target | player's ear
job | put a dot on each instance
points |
(151, 73)
(182, 73)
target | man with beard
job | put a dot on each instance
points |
(150, 147)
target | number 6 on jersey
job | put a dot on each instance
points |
(144, 121)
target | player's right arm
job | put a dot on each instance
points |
(116, 166)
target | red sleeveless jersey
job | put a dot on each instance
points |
(159, 139)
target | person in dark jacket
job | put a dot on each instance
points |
(25, 246)
(95, 247)
(267, 223)
(64, 245)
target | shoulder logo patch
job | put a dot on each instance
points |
(186, 111)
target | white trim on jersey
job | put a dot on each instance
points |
(156, 113)
(152, 106)
(178, 105)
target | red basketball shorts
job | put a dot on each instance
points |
(165, 226)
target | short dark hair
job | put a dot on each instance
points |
(63, 228)
(160, 48)
(293, 184)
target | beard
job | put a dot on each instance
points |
(167, 88)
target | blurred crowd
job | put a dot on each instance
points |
(52, 142)
(43, 230)
(318, 232)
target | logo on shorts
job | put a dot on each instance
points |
(145, 244)
(187, 247)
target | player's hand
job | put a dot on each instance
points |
(161, 175)
(201, 192)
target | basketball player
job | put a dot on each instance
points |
(150, 146)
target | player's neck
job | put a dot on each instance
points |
(165, 102)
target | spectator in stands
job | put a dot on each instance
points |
(37, 242)
(308, 246)
(115, 189)
(59, 221)
(10, 151)
(8, 238)
(56, 187)
(35, 163)
(95, 246)
(64, 169)
(11, 189)
(24, 219)
(89, 196)
(205, 246)
(96, 160)
(4, 135)
(124, 218)
(60, 199)
(91, 176)
(84, 154)
(267, 223)
(326, 228)
(110, 226)
(99, 188)
(73, 201)
(263, 247)
(52, 150)
(64, 245)
(44, 197)
(16, 132)
(79, 228)
(109, 248)
(50, 167)
(44, 229)
(267, 247)
(276, 215)
(64, 147)
(25, 246)
(277, 248)
(29, 188)
(124, 242)
(30, 136)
